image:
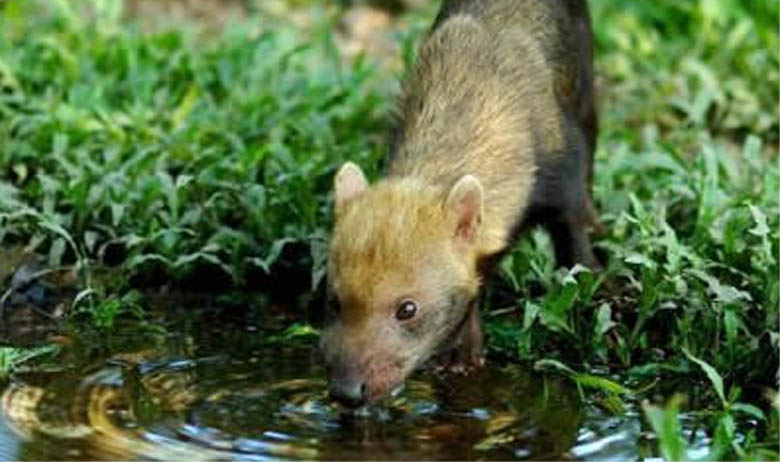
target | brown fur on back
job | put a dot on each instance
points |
(483, 100)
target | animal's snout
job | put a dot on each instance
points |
(351, 393)
(359, 367)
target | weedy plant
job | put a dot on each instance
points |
(152, 152)
(167, 155)
(687, 183)
(12, 358)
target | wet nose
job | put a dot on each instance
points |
(349, 392)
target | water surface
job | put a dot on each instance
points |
(207, 385)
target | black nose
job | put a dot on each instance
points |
(349, 392)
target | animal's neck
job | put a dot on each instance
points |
(491, 147)
(467, 108)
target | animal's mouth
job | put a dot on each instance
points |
(390, 392)
(366, 409)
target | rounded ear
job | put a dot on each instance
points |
(348, 184)
(465, 203)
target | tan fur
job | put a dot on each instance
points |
(488, 137)
(459, 118)
(496, 131)
(384, 238)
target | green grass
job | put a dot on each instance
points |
(11, 358)
(166, 155)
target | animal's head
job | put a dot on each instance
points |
(402, 272)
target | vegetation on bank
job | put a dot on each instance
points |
(178, 160)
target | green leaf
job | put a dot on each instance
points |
(712, 374)
(602, 383)
(725, 437)
(553, 364)
(761, 229)
(137, 260)
(723, 292)
(185, 107)
(530, 313)
(666, 426)
(730, 326)
(604, 319)
(639, 259)
(296, 331)
(273, 254)
(582, 379)
(570, 276)
(11, 357)
(748, 409)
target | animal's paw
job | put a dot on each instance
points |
(461, 366)
(466, 368)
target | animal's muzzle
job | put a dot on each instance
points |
(350, 392)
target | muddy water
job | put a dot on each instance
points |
(198, 387)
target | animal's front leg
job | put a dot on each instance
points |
(466, 352)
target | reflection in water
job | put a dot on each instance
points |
(215, 391)
(201, 388)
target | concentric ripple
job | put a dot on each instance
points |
(202, 389)
(273, 405)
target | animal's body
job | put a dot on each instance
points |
(496, 132)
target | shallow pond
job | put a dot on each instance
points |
(205, 386)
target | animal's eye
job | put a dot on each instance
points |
(406, 310)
